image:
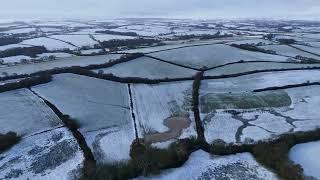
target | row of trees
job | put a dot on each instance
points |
(9, 40)
(26, 83)
(250, 47)
(26, 51)
(118, 33)
(130, 43)
(203, 36)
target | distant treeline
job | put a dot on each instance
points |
(130, 43)
(202, 36)
(118, 33)
(26, 51)
(9, 40)
(250, 47)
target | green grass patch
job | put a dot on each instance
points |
(245, 100)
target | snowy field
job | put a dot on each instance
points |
(60, 63)
(313, 44)
(90, 51)
(309, 49)
(155, 103)
(255, 116)
(313, 36)
(14, 59)
(145, 67)
(10, 46)
(20, 31)
(202, 165)
(107, 37)
(229, 109)
(304, 154)
(44, 156)
(213, 55)
(57, 55)
(143, 30)
(259, 81)
(289, 51)
(180, 44)
(50, 44)
(77, 40)
(252, 66)
(101, 109)
(24, 113)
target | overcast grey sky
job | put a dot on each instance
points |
(200, 9)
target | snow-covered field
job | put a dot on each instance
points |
(314, 44)
(213, 55)
(10, 46)
(90, 51)
(259, 81)
(14, 59)
(24, 113)
(252, 66)
(19, 31)
(229, 109)
(143, 30)
(289, 51)
(44, 156)
(202, 165)
(155, 103)
(50, 44)
(77, 40)
(314, 36)
(145, 67)
(235, 119)
(309, 49)
(57, 55)
(306, 155)
(107, 37)
(101, 108)
(60, 63)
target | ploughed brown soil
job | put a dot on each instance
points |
(175, 125)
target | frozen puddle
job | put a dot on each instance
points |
(43, 156)
(202, 165)
(306, 155)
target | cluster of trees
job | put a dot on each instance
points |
(26, 51)
(268, 36)
(26, 83)
(250, 47)
(9, 40)
(286, 41)
(118, 33)
(8, 140)
(130, 43)
(147, 160)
